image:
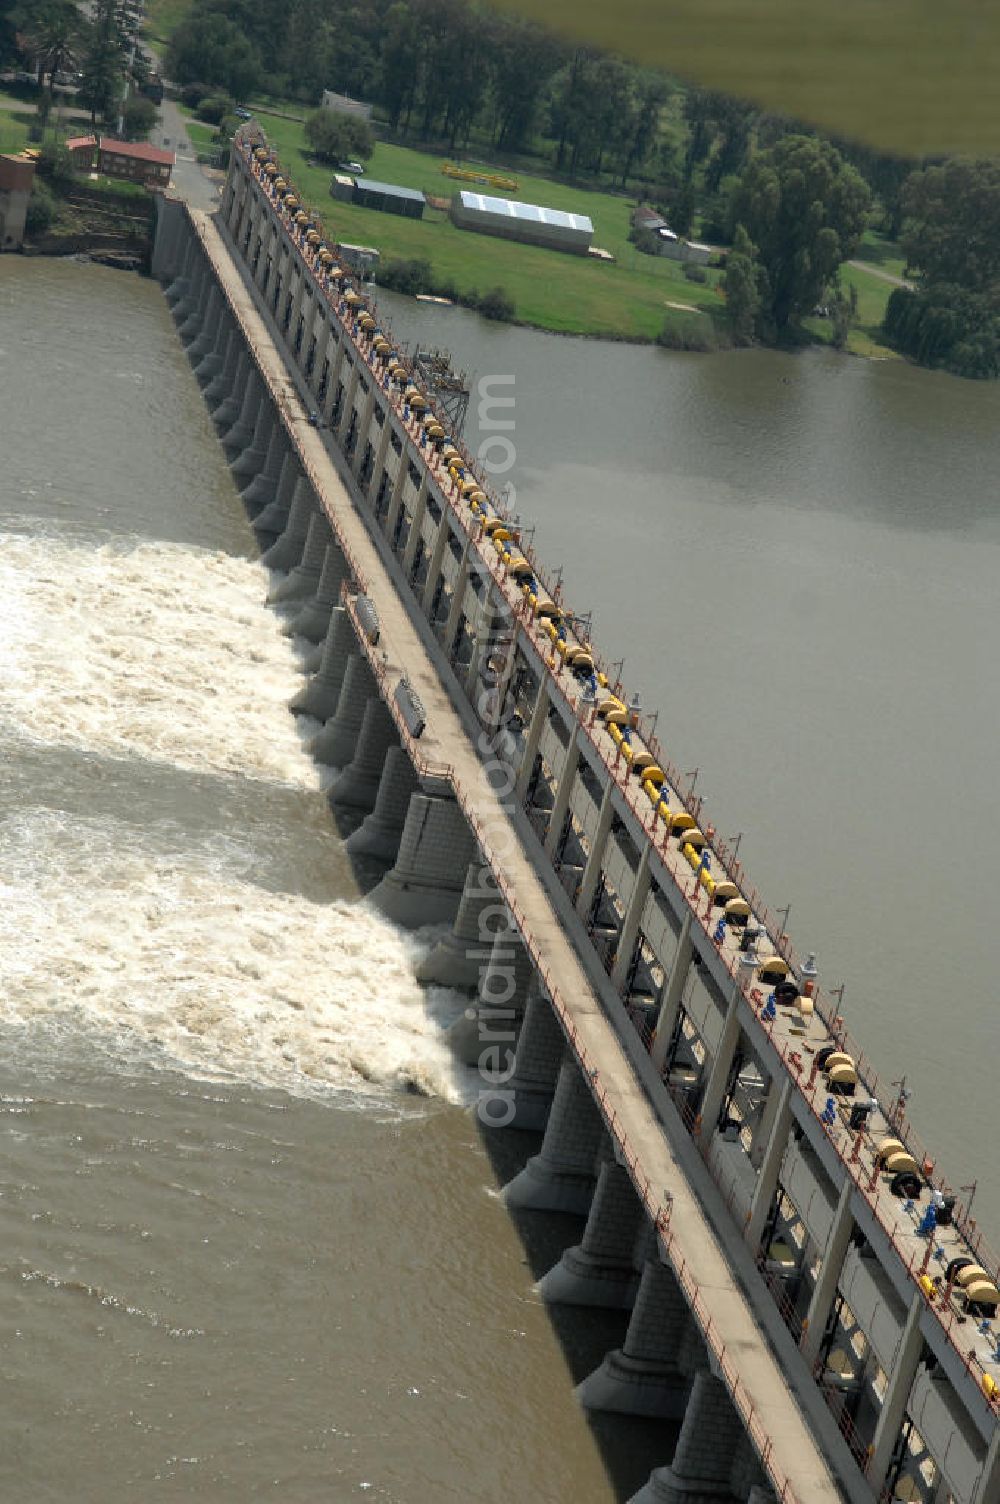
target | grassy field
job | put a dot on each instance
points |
(883, 253)
(162, 19)
(550, 289)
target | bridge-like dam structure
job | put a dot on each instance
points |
(806, 1296)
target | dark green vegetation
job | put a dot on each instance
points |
(336, 137)
(802, 211)
(951, 236)
(65, 44)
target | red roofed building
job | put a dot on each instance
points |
(82, 149)
(136, 161)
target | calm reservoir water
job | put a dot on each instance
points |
(248, 1241)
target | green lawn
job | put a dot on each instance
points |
(878, 251)
(550, 289)
(865, 338)
(13, 132)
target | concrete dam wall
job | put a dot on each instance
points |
(628, 998)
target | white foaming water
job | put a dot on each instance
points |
(173, 955)
(147, 939)
(147, 649)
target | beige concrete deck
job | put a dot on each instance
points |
(793, 1458)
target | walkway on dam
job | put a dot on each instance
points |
(759, 1385)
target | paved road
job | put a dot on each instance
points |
(876, 271)
(199, 186)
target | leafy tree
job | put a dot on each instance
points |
(41, 208)
(309, 49)
(336, 137)
(805, 210)
(210, 47)
(639, 123)
(949, 326)
(213, 107)
(841, 316)
(742, 288)
(400, 47)
(103, 63)
(139, 115)
(951, 228)
(54, 30)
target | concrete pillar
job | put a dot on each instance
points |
(274, 518)
(706, 1447)
(205, 340)
(456, 612)
(320, 696)
(358, 785)
(221, 384)
(564, 788)
(897, 1393)
(825, 1288)
(599, 1270)
(314, 617)
(425, 885)
(239, 435)
(188, 302)
(988, 1485)
(541, 1047)
(287, 551)
(561, 1177)
(176, 289)
(592, 871)
(212, 363)
(633, 919)
(263, 486)
(457, 960)
(672, 993)
(302, 582)
(503, 986)
(646, 1376)
(536, 726)
(718, 1075)
(226, 412)
(191, 326)
(251, 460)
(380, 833)
(775, 1123)
(434, 566)
(338, 740)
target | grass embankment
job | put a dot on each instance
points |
(550, 289)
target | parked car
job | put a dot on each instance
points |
(354, 167)
(242, 113)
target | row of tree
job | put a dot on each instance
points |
(951, 238)
(438, 70)
(98, 49)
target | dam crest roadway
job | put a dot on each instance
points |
(753, 1195)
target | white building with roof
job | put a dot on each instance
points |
(532, 223)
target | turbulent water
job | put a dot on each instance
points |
(249, 1244)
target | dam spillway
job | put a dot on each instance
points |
(665, 1033)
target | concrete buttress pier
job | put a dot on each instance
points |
(425, 884)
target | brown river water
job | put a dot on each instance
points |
(249, 1240)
